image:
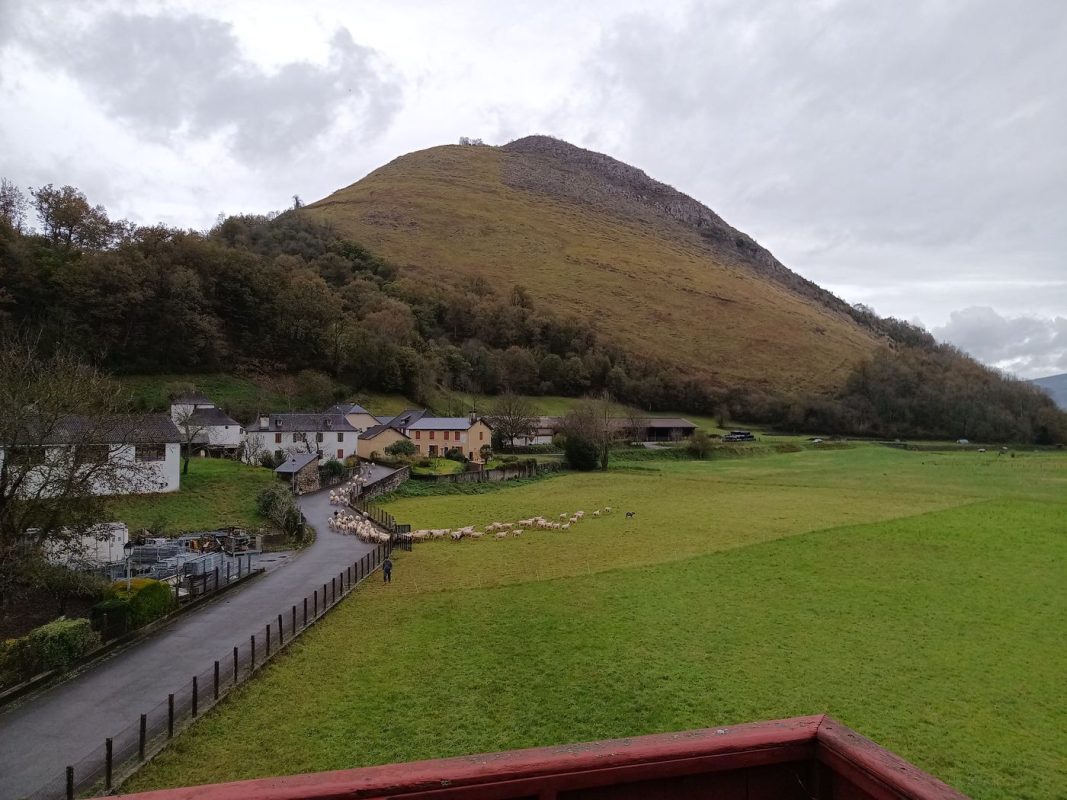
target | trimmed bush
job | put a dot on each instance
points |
(150, 603)
(57, 645)
(581, 454)
(332, 469)
(402, 447)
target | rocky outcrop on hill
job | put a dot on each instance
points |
(558, 169)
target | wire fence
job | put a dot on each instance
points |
(121, 754)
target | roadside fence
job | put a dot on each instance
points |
(121, 754)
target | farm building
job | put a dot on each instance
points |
(119, 454)
(207, 425)
(327, 435)
(544, 428)
(666, 429)
(376, 439)
(435, 436)
(301, 471)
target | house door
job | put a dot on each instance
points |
(470, 456)
(340, 454)
(433, 450)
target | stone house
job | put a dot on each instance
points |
(435, 436)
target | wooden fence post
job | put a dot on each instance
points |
(281, 635)
(235, 665)
(268, 643)
(305, 612)
(109, 752)
(293, 629)
(216, 680)
(142, 737)
(70, 783)
(196, 695)
(170, 716)
(252, 666)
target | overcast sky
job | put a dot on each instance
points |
(909, 155)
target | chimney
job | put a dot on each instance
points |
(264, 422)
(473, 417)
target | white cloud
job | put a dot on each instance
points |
(1030, 347)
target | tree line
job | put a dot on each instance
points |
(283, 293)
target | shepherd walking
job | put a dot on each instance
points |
(387, 570)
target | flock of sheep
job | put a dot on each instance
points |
(357, 524)
(502, 530)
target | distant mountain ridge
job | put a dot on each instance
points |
(1055, 386)
(654, 270)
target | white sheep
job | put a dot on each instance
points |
(501, 535)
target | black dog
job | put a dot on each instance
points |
(630, 514)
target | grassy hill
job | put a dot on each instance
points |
(1056, 386)
(660, 274)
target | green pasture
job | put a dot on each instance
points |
(216, 493)
(918, 597)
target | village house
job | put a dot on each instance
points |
(435, 436)
(207, 425)
(120, 454)
(376, 439)
(326, 435)
(404, 419)
(358, 417)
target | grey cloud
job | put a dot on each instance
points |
(861, 141)
(186, 76)
(1030, 347)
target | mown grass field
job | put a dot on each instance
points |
(918, 597)
(215, 493)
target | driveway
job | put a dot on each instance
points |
(41, 736)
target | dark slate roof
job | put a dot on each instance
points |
(191, 398)
(373, 432)
(442, 424)
(347, 408)
(211, 417)
(667, 422)
(115, 429)
(281, 423)
(295, 463)
(404, 419)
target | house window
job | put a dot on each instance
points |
(418, 434)
(340, 437)
(457, 436)
(151, 452)
(340, 453)
(93, 453)
(431, 435)
(299, 437)
(318, 436)
(26, 456)
(277, 438)
(481, 436)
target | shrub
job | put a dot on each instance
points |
(581, 453)
(456, 454)
(403, 447)
(112, 616)
(333, 469)
(150, 603)
(57, 645)
(700, 444)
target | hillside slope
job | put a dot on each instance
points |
(657, 272)
(1056, 387)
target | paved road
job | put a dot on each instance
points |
(40, 737)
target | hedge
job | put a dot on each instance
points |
(150, 603)
(56, 645)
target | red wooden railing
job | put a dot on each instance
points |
(804, 758)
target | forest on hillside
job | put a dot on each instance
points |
(281, 293)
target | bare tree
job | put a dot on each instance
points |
(13, 204)
(64, 442)
(590, 421)
(512, 416)
(189, 427)
(636, 424)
